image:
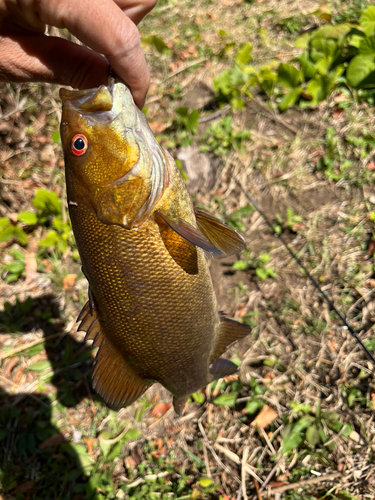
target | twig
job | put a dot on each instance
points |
(245, 457)
(187, 66)
(300, 484)
(27, 346)
(235, 458)
(259, 495)
(215, 114)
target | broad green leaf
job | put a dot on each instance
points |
(253, 406)
(156, 42)
(302, 42)
(50, 240)
(198, 397)
(261, 273)
(40, 366)
(240, 265)
(132, 434)
(28, 218)
(4, 223)
(312, 435)
(7, 234)
(47, 202)
(359, 68)
(367, 47)
(226, 399)
(367, 20)
(20, 235)
(335, 31)
(244, 54)
(288, 76)
(114, 452)
(205, 482)
(15, 267)
(294, 434)
(56, 137)
(289, 99)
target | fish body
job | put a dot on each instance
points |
(152, 309)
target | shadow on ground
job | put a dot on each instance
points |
(37, 462)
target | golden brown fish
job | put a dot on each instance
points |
(152, 309)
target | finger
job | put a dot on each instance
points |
(50, 59)
(105, 28)
(136, 10)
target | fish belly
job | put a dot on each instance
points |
(161, 319)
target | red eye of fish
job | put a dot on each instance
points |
(79, 145)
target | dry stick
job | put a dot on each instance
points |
(306, 482)
(311, 278)
(26, 346)
(259, 496)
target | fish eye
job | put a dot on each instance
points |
(79, 145)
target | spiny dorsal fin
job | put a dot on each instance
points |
(189, 232)
(221, 236)
(230, 331)
(114, 379)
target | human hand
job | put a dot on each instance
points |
(108, 27)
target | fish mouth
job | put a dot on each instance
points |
(102, 104)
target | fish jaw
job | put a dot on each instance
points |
(132, 174)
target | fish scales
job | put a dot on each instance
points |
(152, 309)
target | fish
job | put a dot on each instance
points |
(151, 309)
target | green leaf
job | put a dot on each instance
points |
(244, 54)
(302, 42)
(367, 20)
(15, 267)
(50, 240)
(226, 399)
(289, 99)
(7, 234)
(367, 47)
(20, 235)
(132, 434)
(205, 482)
(156, 42)
(4, 223)
(294, 434)
(240, 265)
(56, 137)
(198, 397)
(261, 273)
(115, 451)
(253, 406)
(312, 435)
(359, 68)
(288, 76)
(40, 366)
(28, 218)
(47, 202)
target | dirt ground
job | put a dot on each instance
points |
(296, 422)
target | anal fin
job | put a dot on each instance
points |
(114, 379)
(230, 331)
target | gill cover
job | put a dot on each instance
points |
(123, 171)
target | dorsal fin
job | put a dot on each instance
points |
(221, 236)
(230, 331)
(187, 231)
(113, 378)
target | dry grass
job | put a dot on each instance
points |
(300, 361)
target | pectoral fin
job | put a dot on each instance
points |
(221, 236)
(189, 232)
(222, 368)
(113, 377)
(179, 404)
(230, 331)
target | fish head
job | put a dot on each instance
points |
(114, 165)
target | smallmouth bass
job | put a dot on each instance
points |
(152, 309)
